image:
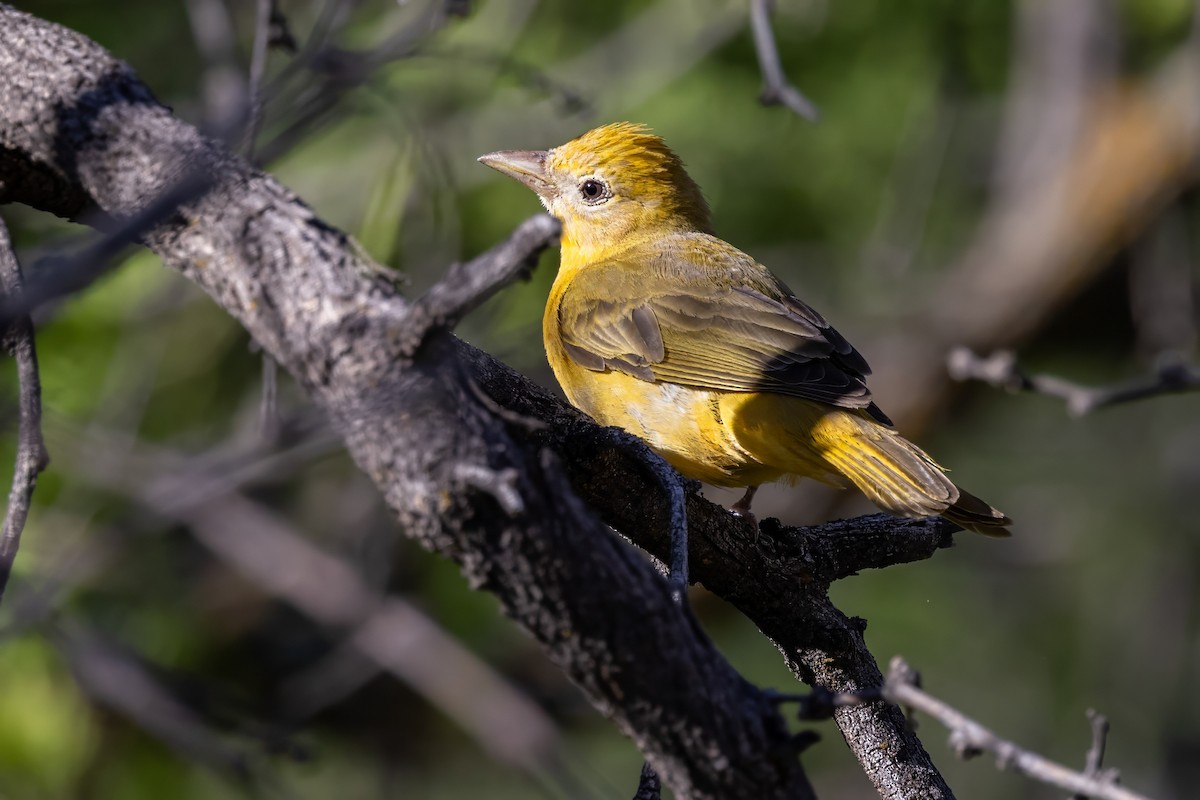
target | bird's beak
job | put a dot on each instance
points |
(527, 166)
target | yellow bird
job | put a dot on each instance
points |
(657, 326)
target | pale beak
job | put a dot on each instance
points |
(527, 166)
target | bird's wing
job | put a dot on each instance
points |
(723, 323)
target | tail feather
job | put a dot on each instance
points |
(972, 514)
(901, 478)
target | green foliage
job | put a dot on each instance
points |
(46, 731)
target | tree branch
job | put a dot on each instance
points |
(270, 30)
(779, 579)
(968, 739)
(776, 88)
(1042, 241)
(61, 277)
(18, 340)
(1094, 762)
(467, 286)
(1002, 371)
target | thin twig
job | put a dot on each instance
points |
(776, 88)
(327, 73)
(174, 481)
(1095, 754)
(672, 484)
(1094, 763)
(67, 275)
(268, 418)
(271, 30)
(968, 739)
(31, 459)
(501, 484)
(1002, 371)
(264, 21)
(522, 421)
(466, 286)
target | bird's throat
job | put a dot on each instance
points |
(584, 244)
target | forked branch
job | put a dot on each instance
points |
(969, 739)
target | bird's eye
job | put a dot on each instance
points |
(593, 191)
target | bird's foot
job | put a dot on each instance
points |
(741, 509)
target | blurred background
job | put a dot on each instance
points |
(210, 600)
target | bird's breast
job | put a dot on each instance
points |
(686, 426)
(683, 425)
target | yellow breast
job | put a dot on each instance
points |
(688, 427)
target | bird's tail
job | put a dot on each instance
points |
(902, 479)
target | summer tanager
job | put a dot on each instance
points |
(657, 326)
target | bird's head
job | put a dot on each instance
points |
(610, 184)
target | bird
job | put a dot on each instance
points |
(655, 325)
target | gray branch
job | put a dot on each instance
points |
(969, 739)
(18, 340)
(776, 88)
(1002, 371)
(60, 277)
(467, 286)
(1094, 762)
